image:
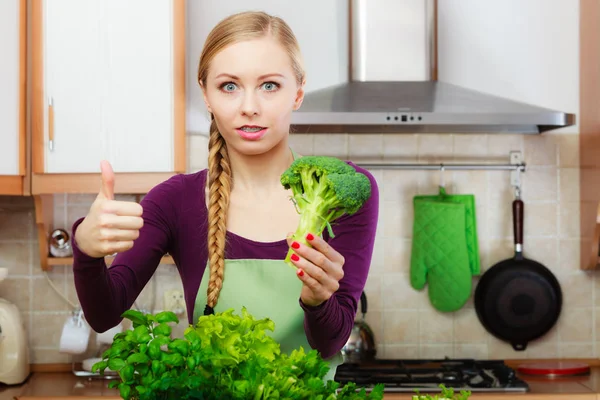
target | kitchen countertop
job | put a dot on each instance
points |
(61, 385)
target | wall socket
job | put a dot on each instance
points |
(174, 301)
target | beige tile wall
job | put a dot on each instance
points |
(404, 322)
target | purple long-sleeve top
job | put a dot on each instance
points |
(176, 222)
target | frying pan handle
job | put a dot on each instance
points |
(518, 211)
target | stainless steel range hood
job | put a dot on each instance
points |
(376, 101)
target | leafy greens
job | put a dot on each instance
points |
(447, 394)
(223, 356)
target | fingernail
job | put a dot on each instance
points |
(295, 245)
(309, 236)
(295, 257)
(300, 272)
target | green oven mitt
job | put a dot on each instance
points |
(440, 257)
(468, 200)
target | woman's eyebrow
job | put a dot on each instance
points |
(270, 76)
(273, 74)
(227, 76)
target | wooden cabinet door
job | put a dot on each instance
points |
(110, 84)
(140, 76)
(12, 96)
(74, 90)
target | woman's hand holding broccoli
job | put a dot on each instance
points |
(320, 269)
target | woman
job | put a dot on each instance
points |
(226, 226)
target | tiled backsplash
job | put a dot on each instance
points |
(404, 322)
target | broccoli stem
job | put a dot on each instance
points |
(310, 222)
(317, 205)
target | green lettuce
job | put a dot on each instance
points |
(223, 356)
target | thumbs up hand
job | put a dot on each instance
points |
(108, 181)
(110, 226)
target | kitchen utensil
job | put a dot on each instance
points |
(360, 346)
(59, 244)
(14, 351)
(518, 300)
(553, 369)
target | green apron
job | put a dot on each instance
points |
(268, 289)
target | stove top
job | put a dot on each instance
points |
(427, 375)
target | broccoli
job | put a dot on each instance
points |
(323, 189)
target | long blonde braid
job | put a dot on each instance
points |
(219, 184)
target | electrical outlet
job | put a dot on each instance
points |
(174, 301)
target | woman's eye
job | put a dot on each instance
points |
(228, 87)
(270, 86)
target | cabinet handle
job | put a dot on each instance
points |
(51, 123)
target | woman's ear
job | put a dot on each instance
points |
(205, 98)
(299, 96)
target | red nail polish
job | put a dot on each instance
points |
(295, 245)
(309, 236)
(300, 272)
(295, 257)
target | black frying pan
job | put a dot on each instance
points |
(518, 300)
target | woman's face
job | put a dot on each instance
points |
(251, 90)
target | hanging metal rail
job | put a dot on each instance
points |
(443, 166)
(516, 164)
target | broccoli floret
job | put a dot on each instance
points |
(323, 190)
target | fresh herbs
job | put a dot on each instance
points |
(223, 356)
(447, 394)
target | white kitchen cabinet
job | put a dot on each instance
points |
(109, 84)
(75, 77)
(522, 50)
(139, 84)
(12, 96)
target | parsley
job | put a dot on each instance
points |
(447, 394)
(223, 356)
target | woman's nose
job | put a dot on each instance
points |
(250, 104)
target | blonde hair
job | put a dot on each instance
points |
(233, 29)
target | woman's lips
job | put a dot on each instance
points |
(251, 132)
